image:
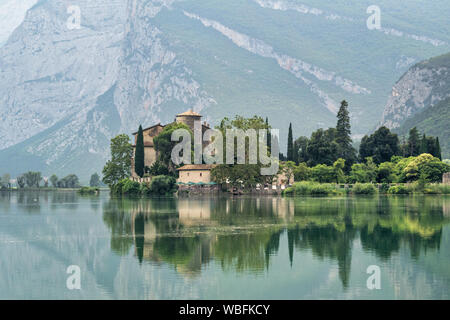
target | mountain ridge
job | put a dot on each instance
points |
(141, 62)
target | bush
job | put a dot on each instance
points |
(384, 188)
(131, 187)
(144, 188)
(117, 188)
(163, 185)
(364, 188)
(322, 189)
(399, 190)
(89, 190)
(436, 189)
(288, 191)
(311, 188)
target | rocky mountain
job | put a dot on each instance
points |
(421, 98)
(424, 85)
(66, 89)
(433, 121)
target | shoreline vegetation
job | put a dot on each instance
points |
(324, 164)
(308, 188)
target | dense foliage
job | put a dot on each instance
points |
(159, 185)
(164, 144)
(119, 167)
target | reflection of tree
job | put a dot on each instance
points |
(385, 241)
(325, 242)
(5, 200)
(186, 254)
(243, 234)
(68, 198)
(118, 219)
(246, 251)
(272, 245)
(30, 201)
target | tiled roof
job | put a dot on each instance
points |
(197, 167)
(146, 144)
(189, 113)
(143, 130)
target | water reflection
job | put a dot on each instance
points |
(243, 234)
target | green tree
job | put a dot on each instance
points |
(438, 149)
(423, 145)
(413, 145)
(69, 181)
(54, 180)
(163, 185)
(32, 179)
(322, 147)
(95, 180)
(21, 181)
(158, 169)
(300, 149)
(302, 172)
(119, 167)
(5, 181)
(343, 136)
(364, 172)
(241, 175)
(288, 168)
(386, 172)
(338, 167)
(431, 167)
(290, 145)
(164, 144)
(323, 173)
(381, 146)
(269, 139)
(139, 156)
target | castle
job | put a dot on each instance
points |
(150, 154)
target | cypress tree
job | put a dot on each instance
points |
(139, 161)
(343, 136)
(290, 146)
(269, 137)
(438, 149)
(413, 142)
(424, 145)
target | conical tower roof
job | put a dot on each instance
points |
(189, 113)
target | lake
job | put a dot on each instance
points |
(223, 247)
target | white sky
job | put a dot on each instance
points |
(12, 13)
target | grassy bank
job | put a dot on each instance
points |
(329, 189)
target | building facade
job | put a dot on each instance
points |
(150, 154)
(195, 173)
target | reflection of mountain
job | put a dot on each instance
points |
(243, 234)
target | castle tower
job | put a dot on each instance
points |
(188, 118)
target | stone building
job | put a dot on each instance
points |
(150, 154)
(446, 178)
(195, 173)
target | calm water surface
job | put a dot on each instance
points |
(223, 248)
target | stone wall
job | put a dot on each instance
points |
(446, 178)
(186, 190)
(196, 176)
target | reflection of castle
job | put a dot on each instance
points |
(245, 233)
(150, 154)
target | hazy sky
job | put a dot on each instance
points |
(12, 13)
